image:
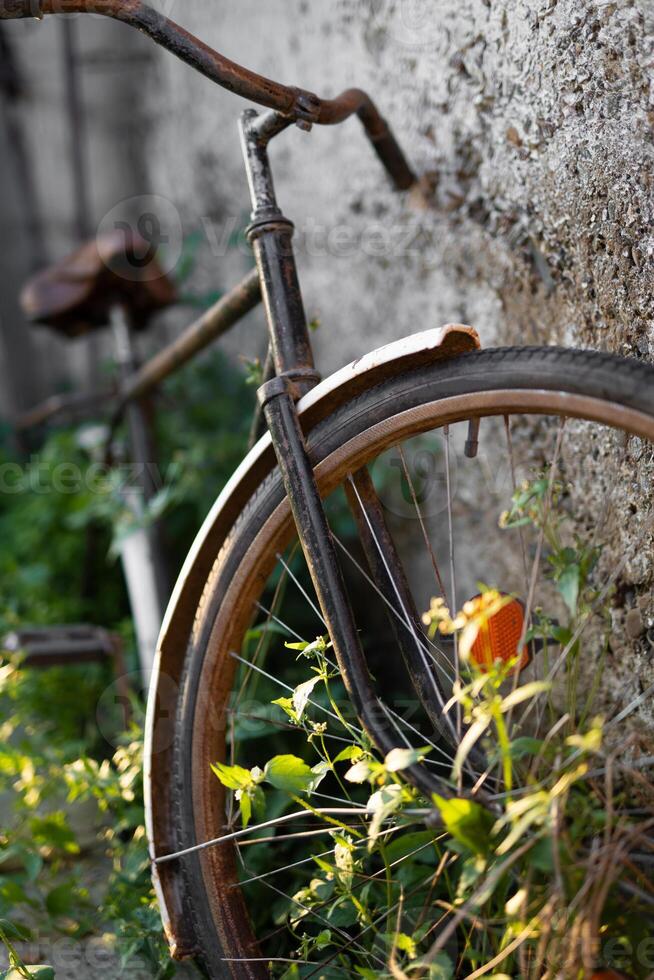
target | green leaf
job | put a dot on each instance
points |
(259, 803)
(342, 914)
(568, 585)
(233, 777)
(245, 804)
(381, 804)
(323, 939)
(414, 845)
(525, 745)
(440, 968)
(351, 752)
(290, 774)
(467, 822)
(320, 770)
(302, 693)
(319, 645)
(471, 871)
(286, 704)
(398, 759)
(541, 856)
(400, 940)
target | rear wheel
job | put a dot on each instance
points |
(565, 437)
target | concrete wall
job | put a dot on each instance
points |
(536, 119)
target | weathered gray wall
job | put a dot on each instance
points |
(536, 119)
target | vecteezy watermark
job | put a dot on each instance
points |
(413, 24)
(151, 227)
(154, 224)
(95, 956)
(43, 477)
(412, 481)
(371, 239)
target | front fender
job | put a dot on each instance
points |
(357, 377)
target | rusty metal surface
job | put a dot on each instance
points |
(300, 105)
(77, 294)
(271, 235)
(195, 338)
(213, 324)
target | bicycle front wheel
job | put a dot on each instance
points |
(552, 510)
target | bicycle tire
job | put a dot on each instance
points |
(619, 391)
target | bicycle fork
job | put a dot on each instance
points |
(270, 235)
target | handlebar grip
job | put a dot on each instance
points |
(390, 153)
(13, 9)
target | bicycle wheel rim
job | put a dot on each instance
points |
(215, 868)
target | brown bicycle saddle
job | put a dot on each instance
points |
(77, 294)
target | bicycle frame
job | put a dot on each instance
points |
(270, 234)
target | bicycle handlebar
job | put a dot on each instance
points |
(296, 103)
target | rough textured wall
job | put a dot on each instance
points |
(535, 119)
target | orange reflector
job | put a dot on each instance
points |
(499, 636)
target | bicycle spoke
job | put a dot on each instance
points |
(286, 687)
(453, 596)
(405, 611)
(306, 860)
(439, 580)
(286, 818)
(631, 707)
(443, 667)
(420, 735)
(514, 483)
(280, 622)
(312, 912)
(302, 590)
(535, 570)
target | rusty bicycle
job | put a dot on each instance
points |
(461, 431)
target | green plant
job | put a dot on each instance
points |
(532, 879)
(58, 520)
